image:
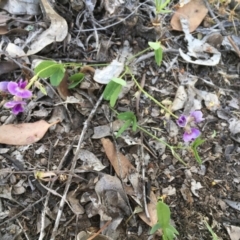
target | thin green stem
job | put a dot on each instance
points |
(149, 96)
(138, 54)
(151, 135)
(161, 141)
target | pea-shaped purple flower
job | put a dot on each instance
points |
(4, 86)
(182, 121)
(191, 134)
(186, 122)
(17, 106)
(19, 89)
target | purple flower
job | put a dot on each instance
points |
(17, 106)
(182, 121)
(4, 86)
(197, 116)
(18, 89)
(191, 134)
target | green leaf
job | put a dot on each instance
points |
(109, 89)
(119, 81)
(166, 11)
(167, 232)
(115, 95)
(134, 124)
(163, 214)
(73, 85)
(155, 228)
(214, 235)
(123, 128)
(76, 79)
(49, 71)
(57, 76)
(154, 45)
(158, 56)
(43, 65)
(126, 116)
(173, 229)
(198, 141)
(165, 3)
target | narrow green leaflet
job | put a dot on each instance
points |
(115, 95)
(160, 5)
(163, 213)
(126, 116)
(113, 89)
(123, 128)
(214, 235)
(158, 52)
(158, 56)
(130, 119)
(198, 141)
(155, 228)
(76, 79)
(109, 89)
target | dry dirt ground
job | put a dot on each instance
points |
(100, 190)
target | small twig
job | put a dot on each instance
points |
(41, 236)
(116, 23)
(214, 17)
(26, 235)
(20, 213)
(139, 94)
(74, 162)
(234, 45)
(100, 230)
(151, 54)
(142, 145)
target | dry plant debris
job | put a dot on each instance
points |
(108, 108)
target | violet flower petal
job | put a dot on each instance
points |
(197, 115)
(22, 84)
(182, 121)
(4, 86)
(17, 106)
(191, 135)
(15, 89)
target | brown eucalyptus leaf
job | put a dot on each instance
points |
(194, 11)
(24, 133)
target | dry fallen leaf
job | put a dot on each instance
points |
(233, 232)
(63, 87)
(194, 12)
(57, 31)
(74, 202)
(129, 172)
(180, 99)
(23, 134)
(125, 165)
(151, 210)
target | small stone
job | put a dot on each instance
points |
(43, 161)
(3, 118)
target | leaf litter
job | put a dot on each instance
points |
(112, 185)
